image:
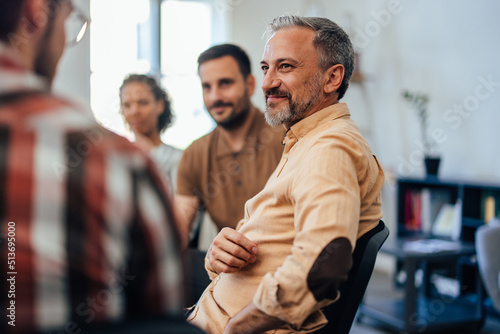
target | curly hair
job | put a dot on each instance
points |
(166, 117)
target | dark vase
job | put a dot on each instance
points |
(432, 165)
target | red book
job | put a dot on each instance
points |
(408, 210)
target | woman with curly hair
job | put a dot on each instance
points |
(145, 107)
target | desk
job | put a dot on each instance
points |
(419, 311)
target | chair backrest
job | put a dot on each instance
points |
(341, 314)
(488, 259)
(198, 278)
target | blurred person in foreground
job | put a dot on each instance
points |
(287, 258)
(87, 233)
(146, 108)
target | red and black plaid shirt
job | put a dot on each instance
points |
(83, 216)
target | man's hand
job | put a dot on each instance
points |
(230, 251)
(252, 320)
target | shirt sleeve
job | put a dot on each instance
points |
(326, 199)
(188, 174)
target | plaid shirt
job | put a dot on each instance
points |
(86, 226)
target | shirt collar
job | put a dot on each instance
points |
(15, 76)
(251, 139)
(306, 125)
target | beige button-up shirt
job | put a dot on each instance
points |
(324, 194)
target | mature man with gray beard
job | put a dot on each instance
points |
(288, 256)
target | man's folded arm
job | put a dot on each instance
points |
(327, 211)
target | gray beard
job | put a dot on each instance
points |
(287, 114)
(295, 110)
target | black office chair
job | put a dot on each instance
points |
(199, 278)
(341, 314)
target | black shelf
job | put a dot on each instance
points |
(472, 195)
(419, 203)
(472, 222)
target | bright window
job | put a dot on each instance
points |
(181, 43)
(125, 38)
(113, 54)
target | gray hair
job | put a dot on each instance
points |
(331, 42)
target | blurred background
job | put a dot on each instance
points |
(445, 50)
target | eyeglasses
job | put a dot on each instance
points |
(76, 25)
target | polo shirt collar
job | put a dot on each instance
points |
(251, 139)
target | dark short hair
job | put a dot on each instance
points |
(166, 117)
(10, 15)
(331, 42)
(232, 50)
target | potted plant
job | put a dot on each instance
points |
(419, 102)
